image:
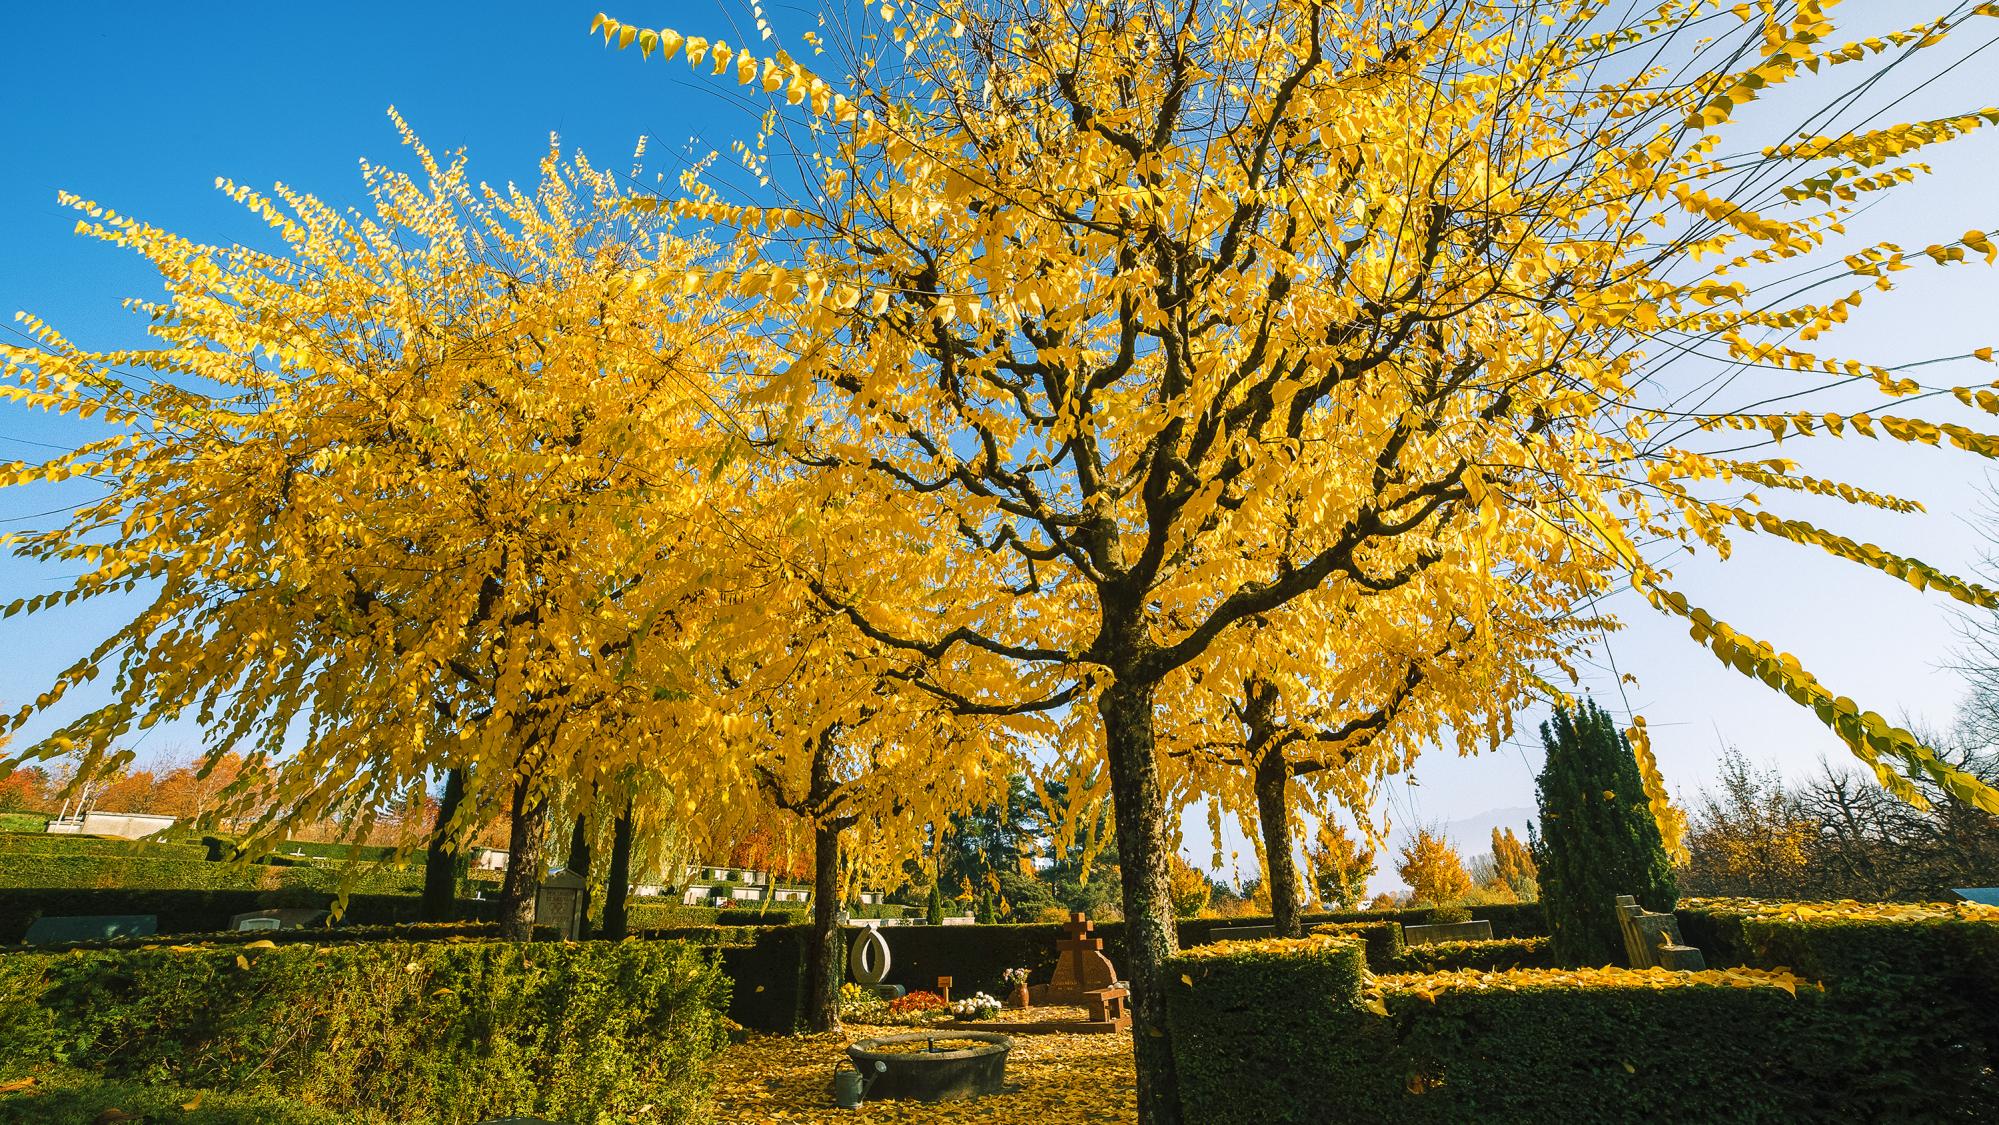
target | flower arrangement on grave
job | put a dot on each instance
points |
(918, 1004)
(977, 1006)
(860, 1005)
(1015, 976)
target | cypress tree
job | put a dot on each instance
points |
(935, 913)
(1597, 840)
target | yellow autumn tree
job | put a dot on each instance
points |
(1309, 738)
(814, 719)
(1431, 867)
(1340, 866)
(1513, 864)
(1164, 316)
(412, 489)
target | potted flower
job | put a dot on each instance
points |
(1016, 979)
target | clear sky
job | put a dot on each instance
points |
(142, 106)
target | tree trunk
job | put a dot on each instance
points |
(1280, 867)
(579, 863)
(440, 860)
(822, 959)
(618, 881)
(1144, 846)
(527, 846)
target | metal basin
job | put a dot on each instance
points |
(934, 1076)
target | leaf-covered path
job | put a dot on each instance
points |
(1076, 1078)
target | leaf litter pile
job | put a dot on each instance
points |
(1080, 1078)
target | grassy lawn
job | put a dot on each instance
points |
(1050, 1078)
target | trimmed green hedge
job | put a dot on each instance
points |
(1498, 955)
(141, 870)
(1267, 1032)
(655, 913)
(1296, 1032)
(1937, 963)
(23, 822)
(191, 912)
(418, 1032)
(43, 844)
(303, 935)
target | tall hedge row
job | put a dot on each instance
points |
(422, 1033)
(39, 843)
(1940, 971)
(194, 911)
(1293, 1032)
(27, 870)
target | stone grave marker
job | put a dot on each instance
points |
(1653, 940)
(1081, 968)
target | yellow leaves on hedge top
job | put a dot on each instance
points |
(1428, 985)
(1319, 944)
(1847, 910)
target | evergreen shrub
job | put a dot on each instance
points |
(1597, 838)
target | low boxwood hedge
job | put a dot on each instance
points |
(1497, 955)
(1299, 1032)
(420, 1033)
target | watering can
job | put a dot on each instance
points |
(849, 1087)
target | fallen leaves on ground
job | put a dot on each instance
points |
(1080, 1078)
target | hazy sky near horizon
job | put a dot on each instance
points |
(141, 106)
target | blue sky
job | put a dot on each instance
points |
(141, 106)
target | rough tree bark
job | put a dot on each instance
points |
(1144, 842)
(1273, 813)
(440, 860)
(527, 848)
(822, 961)
(618, 880)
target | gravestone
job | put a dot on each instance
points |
(286, 917)
(90, 927)
(1653, 940)
(558, 904)
(1241, 933)
(1081, 969)
(1478, 929)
